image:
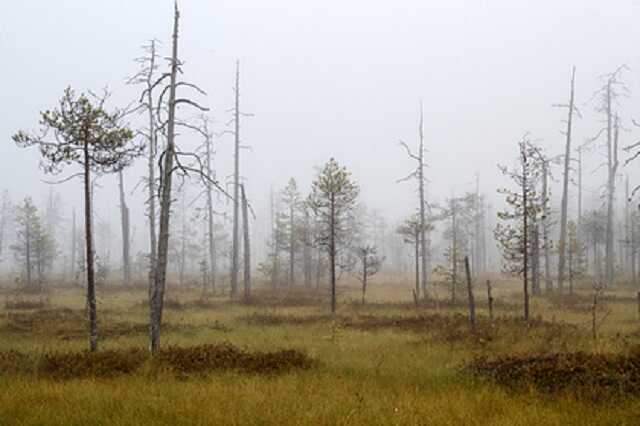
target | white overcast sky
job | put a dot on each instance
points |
(332, 78)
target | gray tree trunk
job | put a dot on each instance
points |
(247, 246)
(472, 302)
(157, 296)
(423, 220)
(91, 285)
(235, 248)
(211, 236)
(126, 235)
(151, 165)
(548, 284)
(565, 186)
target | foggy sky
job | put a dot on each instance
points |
(332, 78)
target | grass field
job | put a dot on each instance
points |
(383, 363)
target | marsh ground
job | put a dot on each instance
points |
(387, 362)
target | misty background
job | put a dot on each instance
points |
(328, 79)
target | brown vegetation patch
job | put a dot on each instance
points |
(277, 320)
(594, 374)
(69, 324)
(287, 299)
(26, 304)
(181, 361)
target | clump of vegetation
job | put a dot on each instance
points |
(181, 361)
(266, 319)
(26, 304)
(224, 356)
(580, 372)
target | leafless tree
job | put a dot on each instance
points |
(418, 174)
(571, 109)
(126, 233)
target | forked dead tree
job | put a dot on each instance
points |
(418, 174)
(126, 233)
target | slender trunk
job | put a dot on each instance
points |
(472, 302)
(490, 300)
(364, 278)
(91, 286)
(291, 246)
(525, 233)
(28, 238)
(332, 251)
(454, 252)
(153, 147)
(565, 186)
(124, 219)
(247, 247)
(423, 224)
(157, 297)
(612, 142)
(210, 237)
(417, 255)
(73, 245)
(548, 284)
(307, 251)
(236, 188)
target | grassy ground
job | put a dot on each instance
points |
(372, 368)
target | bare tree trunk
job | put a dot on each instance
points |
(183, 236)
(548, 284)
(27, 250)
(454, 249)
(472, 302)
(332, 251)
(73, 244)
(157, 296)
(291, 246)
(247, 247)
(306, 250)
(236, 188)
(525, 234)
(423, 221)
(124, 220)
(565, 186)
(490, 300)
(417, 255)
(211, 237)
(535, 258)
(364, 278)
(91, 285)
(153, 149)
(612, 166)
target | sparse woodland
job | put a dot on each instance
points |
(193, 302)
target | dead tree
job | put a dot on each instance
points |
(571, 109)
(607, 97)
(418, 174)
(170, 161)
(247, 245)
(146, 76)
(472, 302)
(235, 247)
(88, 135)
(126, 234)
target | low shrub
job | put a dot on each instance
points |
(580, 372)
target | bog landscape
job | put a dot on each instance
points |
(285, 213)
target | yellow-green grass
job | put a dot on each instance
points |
(372, 376)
